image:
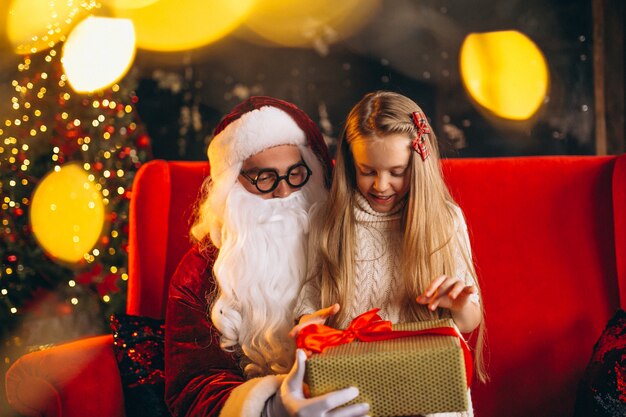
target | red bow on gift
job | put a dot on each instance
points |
(370, 327)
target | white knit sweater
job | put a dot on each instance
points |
(377, 281)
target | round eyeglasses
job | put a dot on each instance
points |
(267, 179)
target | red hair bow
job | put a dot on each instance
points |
(419, 143)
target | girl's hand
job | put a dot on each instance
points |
(319, 317)
(447, 292)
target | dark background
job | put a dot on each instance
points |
(409, 46)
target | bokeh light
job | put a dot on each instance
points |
(36, 25)
(305, 23)
(174, 25)
(505, 72)
(129, 4)
(98, 53)
(67, 213)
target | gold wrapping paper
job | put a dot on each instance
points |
(401, 377)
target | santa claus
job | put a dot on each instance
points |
(231, 301)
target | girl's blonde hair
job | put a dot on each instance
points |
(429, 238)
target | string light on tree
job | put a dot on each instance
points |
(37, 25)
(48, 127)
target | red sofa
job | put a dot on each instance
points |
(549, 240)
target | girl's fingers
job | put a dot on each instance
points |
(446, 286)
(293, 333)
(434, 285)
(443, 288)
(296, 329)
(456, 290)
(318, 317)
(328, 311)
(451, 290)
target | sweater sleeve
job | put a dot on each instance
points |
(309, 299)
(199, 375)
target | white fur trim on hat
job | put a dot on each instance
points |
(248, 399)
(252, 133)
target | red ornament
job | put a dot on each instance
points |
(108, 285)
(64, 310)
(143, 141)
(89, 277)
(72, 132)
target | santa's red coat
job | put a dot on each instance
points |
(201, 379)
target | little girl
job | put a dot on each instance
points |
(391, 236)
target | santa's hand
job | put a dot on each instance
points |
(319, 317)
(290, 400)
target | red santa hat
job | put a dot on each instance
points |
(260, 123)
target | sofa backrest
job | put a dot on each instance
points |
(544, 234)
(163, 198)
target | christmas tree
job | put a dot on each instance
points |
(98, 143)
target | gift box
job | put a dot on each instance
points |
(419, 369)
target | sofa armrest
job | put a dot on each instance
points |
(75, 379)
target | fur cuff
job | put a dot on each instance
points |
(248, 399)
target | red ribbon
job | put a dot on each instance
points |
(419, 143)
(370, 327)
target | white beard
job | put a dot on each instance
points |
(259, 270)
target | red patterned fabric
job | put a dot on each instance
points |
(602, 391)
(199, 375)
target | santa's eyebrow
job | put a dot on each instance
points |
(253, 170)
(257, 169)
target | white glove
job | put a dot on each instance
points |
(290, 400)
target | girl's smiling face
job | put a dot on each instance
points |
(382, 169)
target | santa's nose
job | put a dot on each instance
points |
(282, 190)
